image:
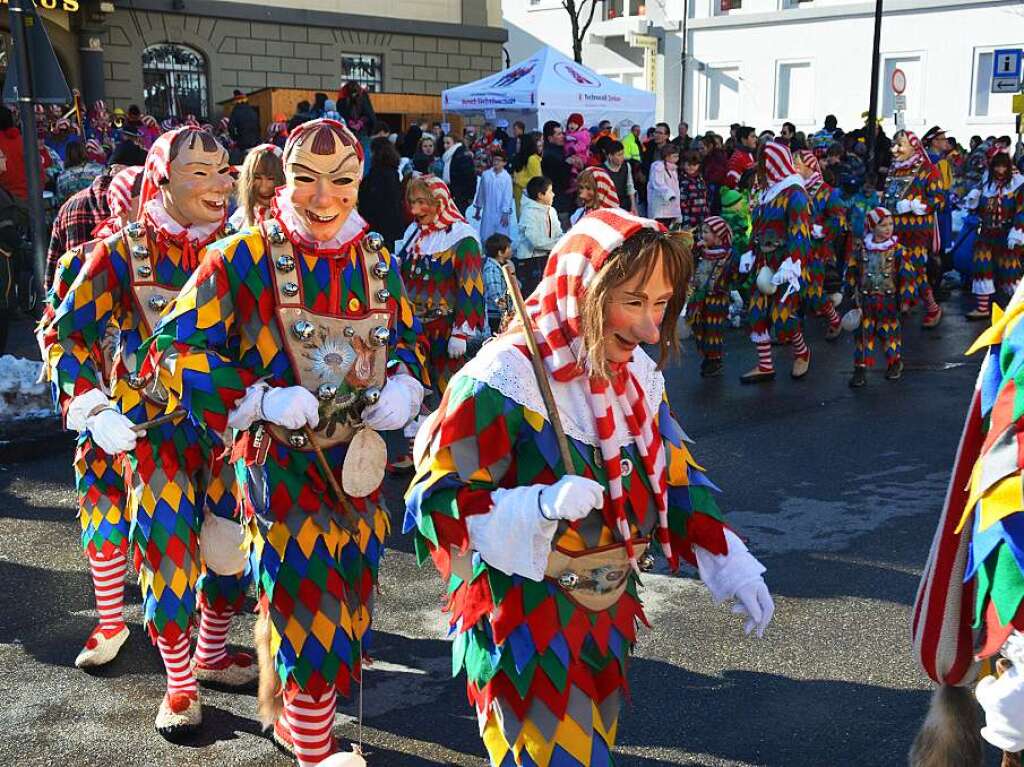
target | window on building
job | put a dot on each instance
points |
(983, 102)
(367, 69)
(614, 9)
(723, 98)
(174, 82)
(912, 68)
(724, 6)
(794, 91)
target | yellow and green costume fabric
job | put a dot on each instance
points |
(545, 674)
(315, 578)
(174, 475)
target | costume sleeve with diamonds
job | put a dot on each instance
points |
(835, 216)
(992, 516)
(798, 225)
(906, 270)
(853, 265)
(407, 353)
(927, 188)
(469, 274)
(190, 345)
(74, 338)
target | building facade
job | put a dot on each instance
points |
(765, 62)
(178, 57)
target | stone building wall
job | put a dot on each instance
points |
(252, 55)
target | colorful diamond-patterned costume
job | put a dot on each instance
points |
(828, 213)
(175, 476)
(917, 183)
(781, 231)
(315, 578)
(707, 306)
(442, 269)
(997, 250)
(877, 273)
(545, 646)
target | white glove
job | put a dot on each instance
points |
(1015, 238)
(919, 208)
(456, 347)
(399, 402)
(291, 407)
(817, 232)
(746, 262)
(789, 275)
(247, 409)
(80, 407)
(1003, 701)
(754, 601)
(111, 431)
(903, 207)
(972, 199)
(571, 498)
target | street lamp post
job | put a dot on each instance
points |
(682, 86)
(871, 128)
(29, 140)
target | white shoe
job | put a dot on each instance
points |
(180, 714)
(344, 759)
(101, 647)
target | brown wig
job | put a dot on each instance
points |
(189, 137)
(262, 163)
(640, 254)
(418, 186)
(322, 137)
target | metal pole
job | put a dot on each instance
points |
(36, 213)
(682, 86)
(871, 128)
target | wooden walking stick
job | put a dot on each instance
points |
(142, 428)
(1009, 759)
(538, 367)
(349, 515)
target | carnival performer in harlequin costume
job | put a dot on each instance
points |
(442, 268)
(523, 542)
(969, 602)
(707, 307)
(781, 245)
(875, 273)
(596, 191)
(912, 191)
(102, 503)
(262, 173)
(827, 226)
(292, 326)
(184, 529)
(997, 251)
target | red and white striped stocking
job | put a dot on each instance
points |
(984, 302)
(180, 678)
(108, 585)
(213, 636)
(800, 346)
(311, 720)
(830, 314)
(764, 357)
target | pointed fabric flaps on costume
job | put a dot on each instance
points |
(555, 309)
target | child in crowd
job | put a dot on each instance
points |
(498, 248)
(877, 271)
(707, 306)
(494, 197)
(663, 187)
(539, 230)
(693, 193)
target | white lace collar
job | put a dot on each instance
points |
(769, 194)
(992, 190)
(506, 369)
(162, 221)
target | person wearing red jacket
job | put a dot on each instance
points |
(742, 158)
(14, 178)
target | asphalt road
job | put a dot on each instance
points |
(837, 490)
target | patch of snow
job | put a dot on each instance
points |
(22, 395)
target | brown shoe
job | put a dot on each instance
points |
(932, 320)
(800, 367)
(859, 378)
(976, 315)
(757, 376)
(895, 371)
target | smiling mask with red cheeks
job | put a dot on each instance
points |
(198, 186)
(324, 186)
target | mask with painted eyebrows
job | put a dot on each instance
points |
(324, 186)
(198, 185)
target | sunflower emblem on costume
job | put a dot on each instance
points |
(331, 358)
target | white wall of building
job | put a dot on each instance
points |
(802, 64)
(770, 61)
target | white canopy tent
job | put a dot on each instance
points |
(550, 86)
